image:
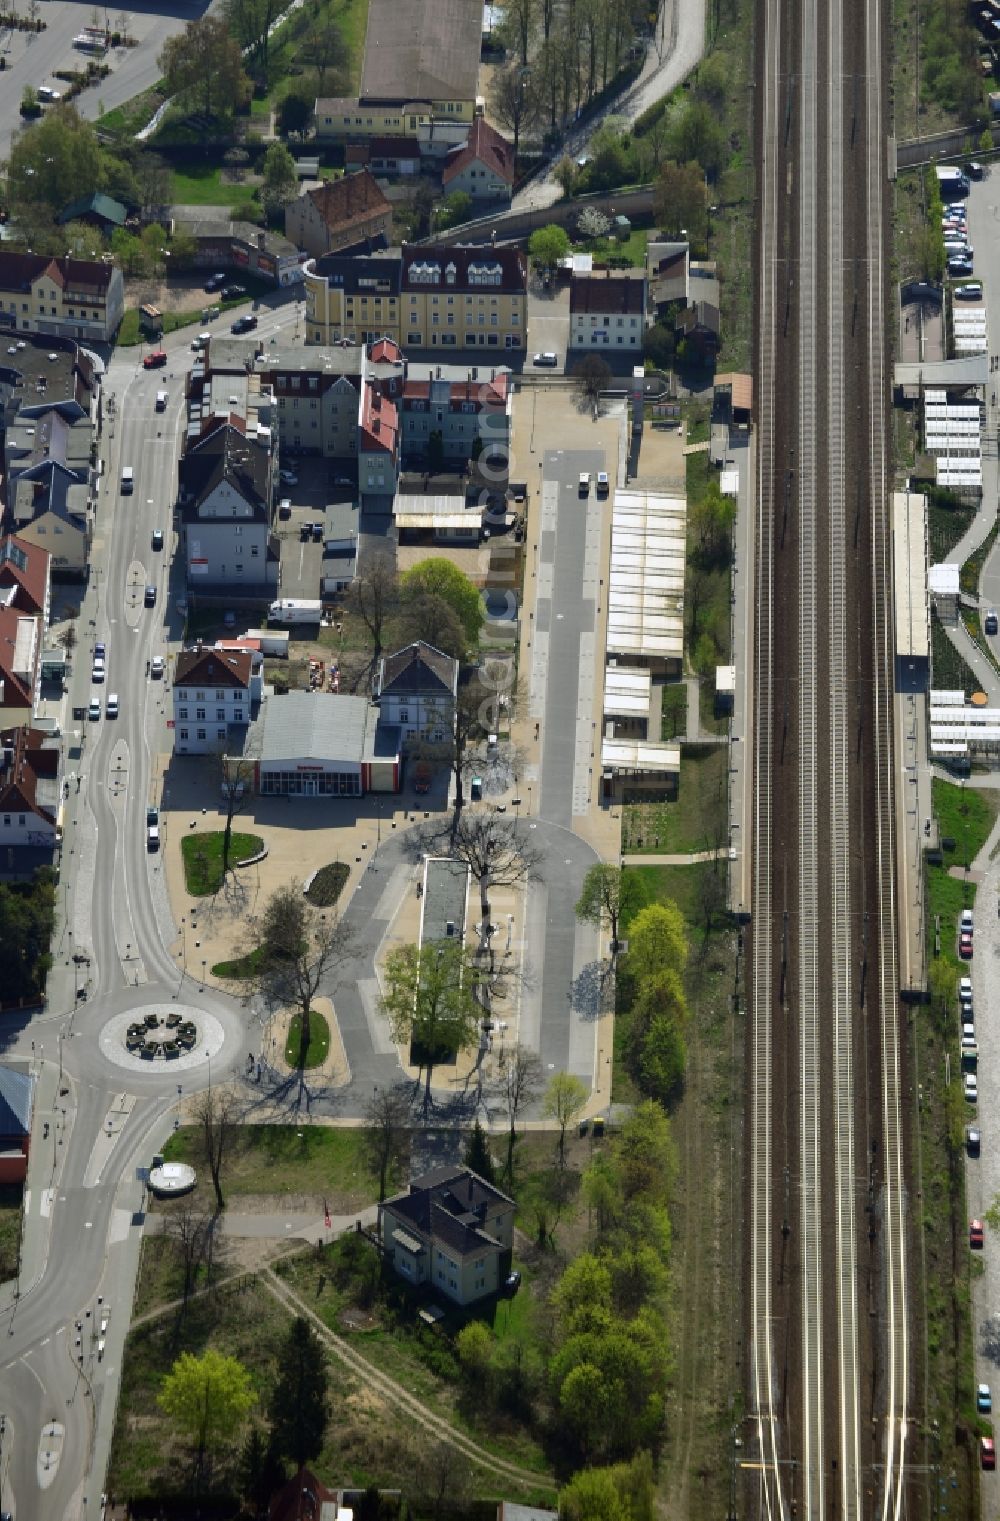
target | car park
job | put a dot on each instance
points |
(157, 666)
(990, 623)
(977, 1235)
(960, 266)
(973, 1140)
(111, 706)
(155, 361)
(984, 1399)
(987, 1453)
(970, 1087)
(149, 597)
(547, 361)
(156, 538)
(94, 710)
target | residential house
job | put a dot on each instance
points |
(97, 210)
(29, 801)
(17, 1097)
(225, 493)
(71, 298)
(416, 689)
(386, 156)
(459, 296)
(321, 745)
(483, 166)
(39, 375)
(378, 450)
(51, 512)
(607, 310)
(352, 299)
(451, 1232)
(698, 327)
(668, 272)
(445, 423)
(305, 1498)
(215, 693)
(317, 395)
(338, 214)
(25, 578)
(420, 76)
(243, 248)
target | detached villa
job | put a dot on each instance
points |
(452, 1231)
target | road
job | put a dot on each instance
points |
(33, 57)
(829, 1333)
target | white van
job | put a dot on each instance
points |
(128, 480)
(161, 401)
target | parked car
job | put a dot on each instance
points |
(156, 538)
(244, 324)
(214, 282)
(960, 267)
(966, 922)
(48, 94)
(965, 947)
(157, 666)
(977, 1235)
(584, 482)
(990, 623)
(305, 530)
(155, 361)
(984, 1399)
(202, 341)
(152, 837)
(603, 484)
(111, 706)
(149, 597)
(965, 990)
(100, 650)
(99, 670)
(284, 508)
(233, 292)
(94, 710)
(288, 477)
(317, 533)
(975, 170)
(970, 1087)
(973, 1140)
(547, 360)
(987, 1453)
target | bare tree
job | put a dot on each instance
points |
(217, 1112)
(592, 375)
(326, 50)
(372, 597)
(514, 101)
(387, 1139)
(519, 1082)
(498, 855)
(236, 778)
(192, 1232)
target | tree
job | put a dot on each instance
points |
(697, 133)
(517, 25)
(429, 999)
(295, 114)
(250, 23)
(454, 210)
(325, 47)
(477, 1153)
(192, 1232)
(520, 1077)
(593, 1495)
(609, 894)
(592, 223)
(261, 1471)
(566, 173)
(513, 102)
(202, 67)
(565, 1098)
(610, 156)
(657, 941)
(153, 183)
(387, 1137)
(431, 619)
(592, 376)
(679, 200)
(208, 1397)
(547, 245)
(711, 525)
(297, 948)
(236, 781)
(298, 1402)
(496, 853)
(441, 578)
(372, 597)
(582, 1297)
(217, 1113)
(278, 178)
(82, 240)
(54, 162)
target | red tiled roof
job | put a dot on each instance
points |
(349, 202)
(19, 270)
(16, 687)
(26, 568)
(213, 668)
(19, 779)
(483, 145)
(484, 392)
(385, 351)
(379, 422)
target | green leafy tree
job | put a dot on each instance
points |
(593, 1495)
(54, 162)
(475, 1345)
(82, 240)
(565, 1098)
(429, 999)
(547, 245)
(202, 67)
(610, 895)
(697, 134)
(431, 619)
(440, 578)
(657, 1054)
(208, 1397)
(454, 210)
(295, 114)
(657, 941)
(27, 912)
(680, 204)
(585, 1406)
(278, 177)
(582, 1297)
(298, 1408)
(477, 1153)
(711, 524)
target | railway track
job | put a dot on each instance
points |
(828, 1373)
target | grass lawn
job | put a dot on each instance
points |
(129, 333)
(673, 710)
(11, 1210)
(696, 820)
(632, 248)
(243, 966)
(128, 119)
(316, 1052)
(202, 855)
(205, 185)
(293, 1160)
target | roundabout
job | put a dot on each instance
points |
(161, 1037)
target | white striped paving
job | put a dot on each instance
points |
(763, 1371)
(589, 692)
(808, 991)
(378, 1026)
(896, 1308)
(848, 1373)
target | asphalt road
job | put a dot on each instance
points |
(33, 57)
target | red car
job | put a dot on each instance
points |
(987, 1453)
(976, 1235)
(965, 947)
(155, 361)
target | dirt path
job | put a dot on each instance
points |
(435, 1426)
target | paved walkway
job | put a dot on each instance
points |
(693, 859)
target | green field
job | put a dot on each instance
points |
(290, 1159)
(205, 185)
(202, 856)
(316, 1052)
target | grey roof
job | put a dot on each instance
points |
(236, 355)
(422, 50)
(367, 276)
(419, 668)
(453, 1204)
(446, 890)
(320, 726)
(16, 1095)
(245, 232)
(338, 359)
(227, 454)
(340, 520)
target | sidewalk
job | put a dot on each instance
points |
(741, 455)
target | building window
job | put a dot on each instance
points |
(237, 715)
(404, 715)
(220, 733)
(182, 712)
(220, 715)
(6, 821)
(183, 733)
(201, 734)
(200, 715)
